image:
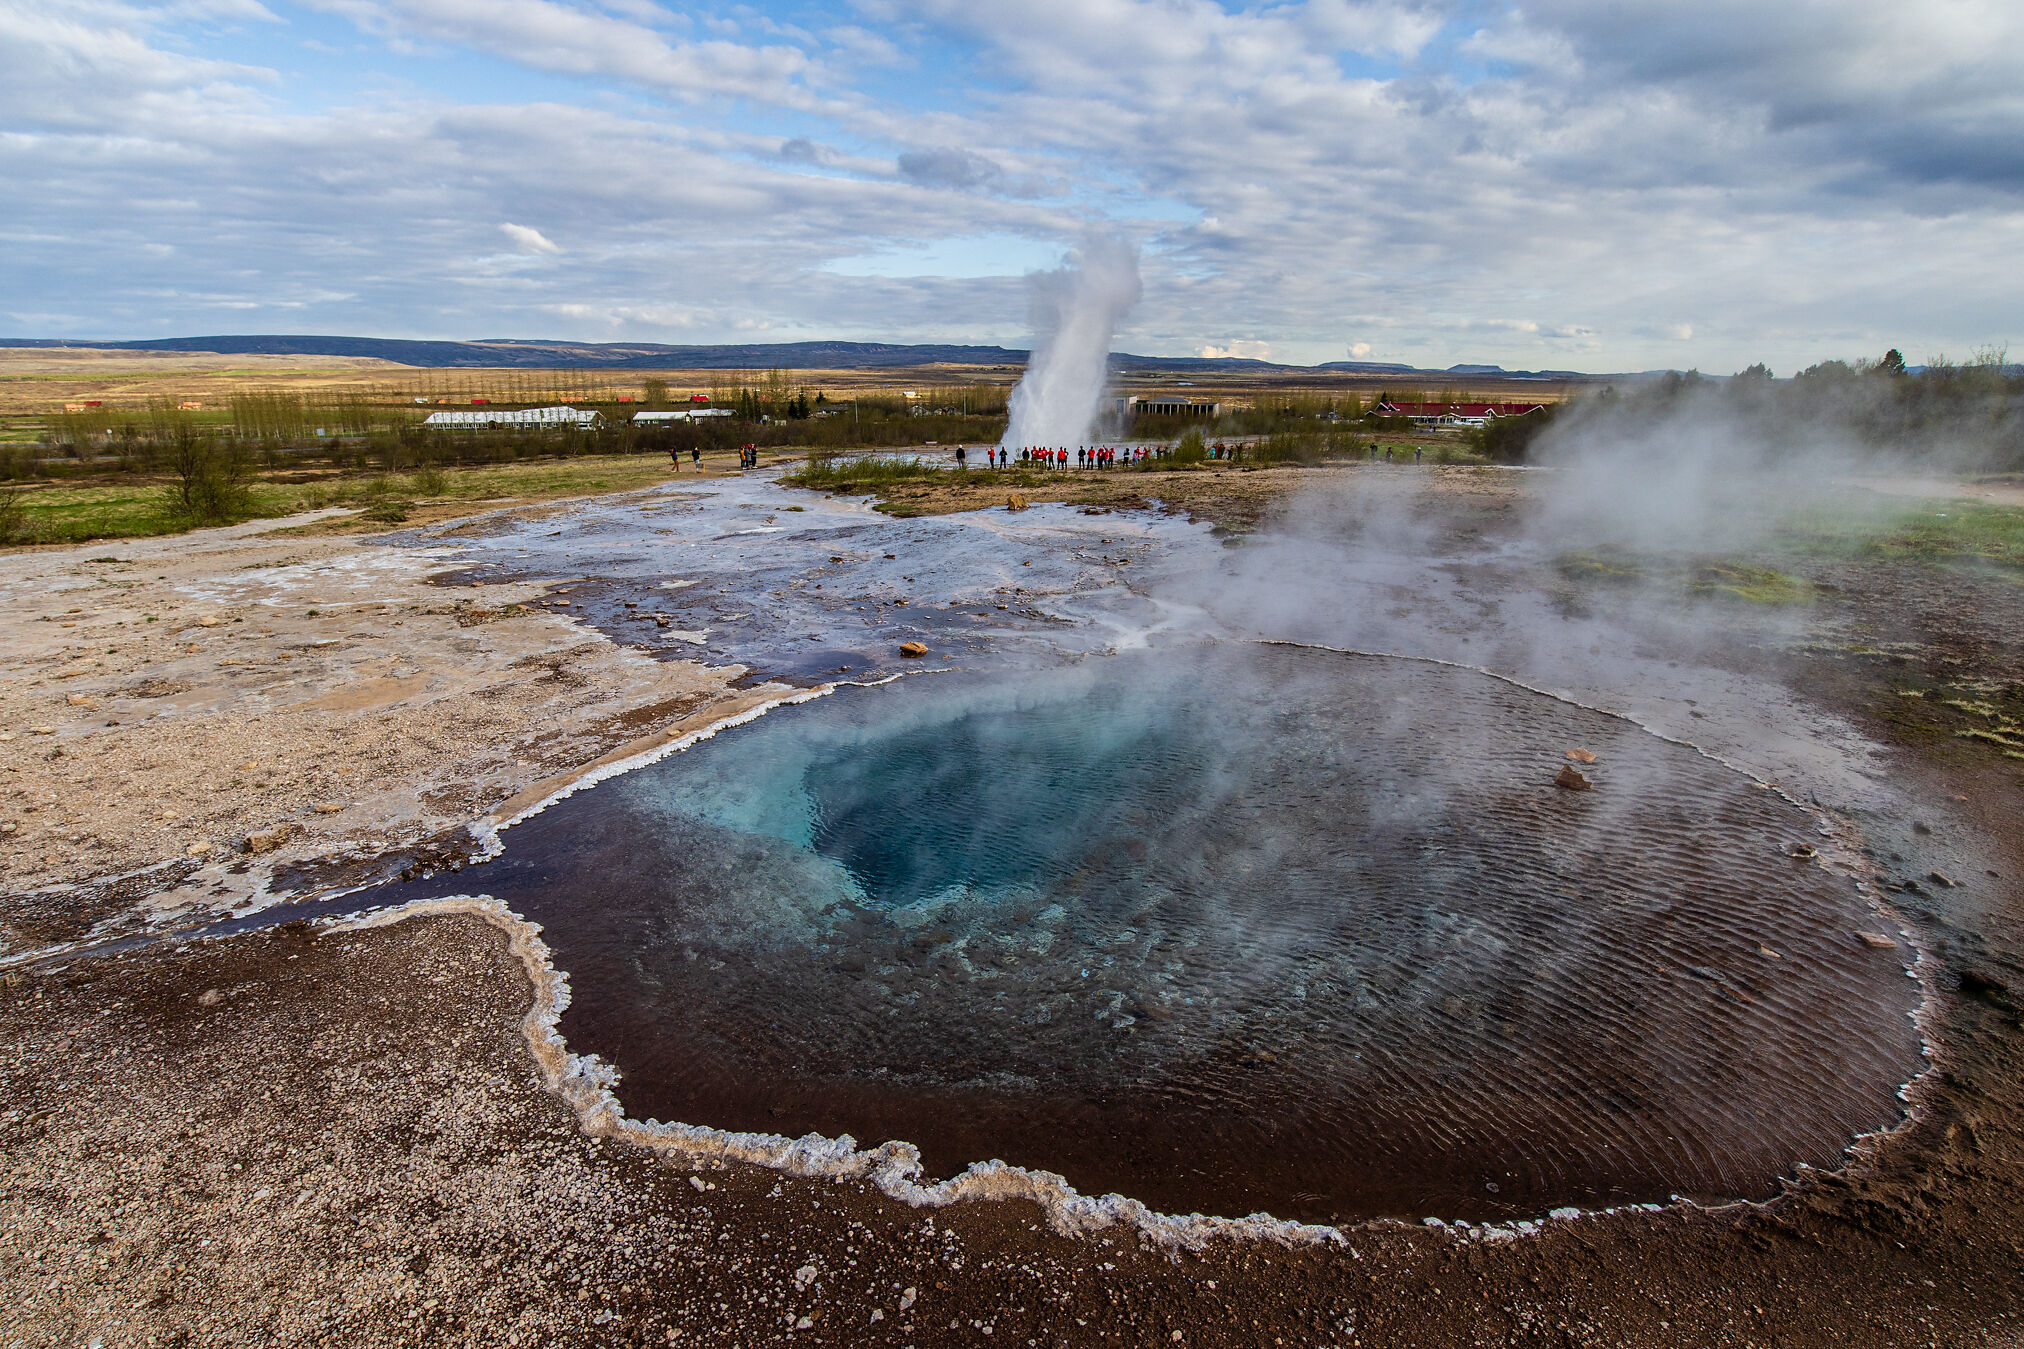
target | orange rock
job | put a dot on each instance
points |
(1571, 780)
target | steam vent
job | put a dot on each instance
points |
(1244, 929)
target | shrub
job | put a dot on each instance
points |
(13, 516)
(211, 480)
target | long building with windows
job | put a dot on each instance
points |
(1158, 406)
(588, 419)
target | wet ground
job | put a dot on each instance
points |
(1228, 929)
(1927, 1214)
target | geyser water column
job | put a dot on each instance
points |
(1228, 930)
(1076, 309)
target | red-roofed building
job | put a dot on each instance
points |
(1455, 414)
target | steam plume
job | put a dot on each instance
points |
(1075, 311)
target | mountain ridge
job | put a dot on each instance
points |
(534, 353)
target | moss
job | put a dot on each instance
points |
(1721, 579)
(1753, 585)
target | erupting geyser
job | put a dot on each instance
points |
(1230, 929)
(1075, 313)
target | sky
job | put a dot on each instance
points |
(1595, 185)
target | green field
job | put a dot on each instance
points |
(138, 506)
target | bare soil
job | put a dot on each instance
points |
(177, 704)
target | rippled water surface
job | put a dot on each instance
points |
(1228, 929)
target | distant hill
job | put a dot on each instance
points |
(550, 355)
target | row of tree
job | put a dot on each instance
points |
(1968, 414)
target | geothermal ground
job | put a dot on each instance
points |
(1773, 951)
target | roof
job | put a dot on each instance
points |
(1460, 409)
(555, 416)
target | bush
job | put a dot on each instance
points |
(211, 480)
(1191, 449)
(1508, 440)
(13, 516)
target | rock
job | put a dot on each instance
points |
(197, 849)
(1877, 940)
(1938, 879)
(267, 840)
(1581, 755)
(1977, 982)
(210, 997)
(1015, 503)
(42, 730)
(1803, 850)
(1767, 952)
(913, 649)
(79, 700)
(327, 807)
(1572, 780)
(207, 621)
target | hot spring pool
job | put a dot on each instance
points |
(1228, 929)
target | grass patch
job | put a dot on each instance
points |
(1703, 578)
(1930, 531)
(138, 507)
(873, 473)
(1753, 585)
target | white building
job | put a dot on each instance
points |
(591, 420)
(679, 415)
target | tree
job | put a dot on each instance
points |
(1893, 363)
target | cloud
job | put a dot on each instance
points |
(1241, 348)
(528, 239)
(1505, 184)
(949, 168)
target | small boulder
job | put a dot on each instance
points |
(208, 621)
(913, 649)
(1015, 503)
(1572, 780)
(1877, 940)
(1581, 755)
(327, 807)
(267, 840)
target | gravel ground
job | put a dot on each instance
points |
(288, 1138)
(168, 706)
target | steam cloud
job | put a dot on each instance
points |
(1076, 309)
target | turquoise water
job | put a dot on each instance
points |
(1227, 929)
